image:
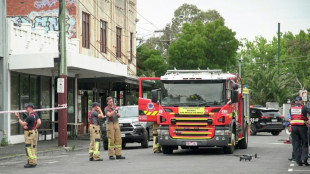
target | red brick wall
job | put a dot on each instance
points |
(43, 13)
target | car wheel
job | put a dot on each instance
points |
(253, 130)
(123, 145)
(167, 149)
(105, 144)
(145, 143)
(275, 133)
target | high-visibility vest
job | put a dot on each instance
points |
(297, 118)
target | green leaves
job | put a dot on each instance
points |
(151, 61)
(211, 45)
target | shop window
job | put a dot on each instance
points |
(25, 89)
(71, 100)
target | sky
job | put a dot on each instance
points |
(248, 18)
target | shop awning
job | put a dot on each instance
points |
(79, 65)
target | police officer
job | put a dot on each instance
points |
(156, 145)
(94, 129)
(299, 122)
(113, 130)
(29, 126)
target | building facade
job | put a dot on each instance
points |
(101, 48)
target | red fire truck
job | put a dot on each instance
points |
(198, 108)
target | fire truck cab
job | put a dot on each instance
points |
(198, 108)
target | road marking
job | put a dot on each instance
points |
(52, 162)
(290, 170)
(301, 170)
(292, 165)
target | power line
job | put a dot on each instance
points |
(147, 20)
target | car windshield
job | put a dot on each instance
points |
(193, 93)
(271, 113)
(129, 111)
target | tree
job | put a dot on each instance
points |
(150, 61)
(268, 86)
(187, 13)
(211, 45)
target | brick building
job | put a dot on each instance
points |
(101, 48)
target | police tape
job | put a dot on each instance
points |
(64, 106)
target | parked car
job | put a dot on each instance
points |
(132, 130)
(266, 120)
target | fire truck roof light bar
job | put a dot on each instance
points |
(193, 71)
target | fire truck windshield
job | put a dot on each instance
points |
(193, 93)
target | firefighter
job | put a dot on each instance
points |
(35, 146)
(299, 122)
(156, 146)
(29, 126)
(113, 130)
(94, 129)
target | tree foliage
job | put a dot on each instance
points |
(187, 13)
(211, 45)
(150, 61)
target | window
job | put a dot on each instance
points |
(118, 42)
(85, 30)
(131, 46)
(27, 88)
(103, 36)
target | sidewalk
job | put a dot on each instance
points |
(18, 150)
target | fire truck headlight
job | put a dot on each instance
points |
(219, 132)
(163, 132)
(222, 132)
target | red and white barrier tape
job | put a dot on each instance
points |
(36, 110)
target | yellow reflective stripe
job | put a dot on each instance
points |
(155, 145)
(109, 144)
(149, 113)
(201, 128)
(298, 121)
(118, 146)
(30, 155)
(240, 138)
(192, 124)
(211, 113)
(192, 119)
(194, 138)
(145, 112)
(91, 151)
(154, 113)
(197, 133)
(96, 151)
(230, 115)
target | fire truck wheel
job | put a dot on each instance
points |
(253, 130)
(167, 149)
(230, 149)
(243, 144)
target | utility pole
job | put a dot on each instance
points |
(279, 48)
(62, 80)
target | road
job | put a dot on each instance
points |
(272, 159)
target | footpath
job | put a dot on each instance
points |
(18, 150)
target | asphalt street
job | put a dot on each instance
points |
(272, 159)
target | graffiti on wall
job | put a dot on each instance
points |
(48, 20)
(50, 3)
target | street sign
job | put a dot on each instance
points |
(303, 94)
(60, 85)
